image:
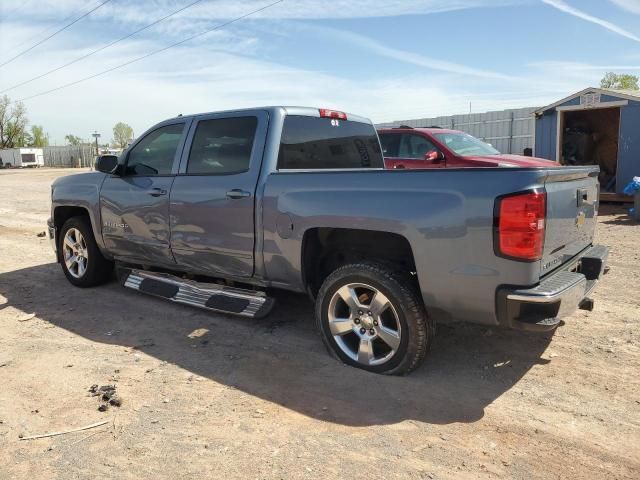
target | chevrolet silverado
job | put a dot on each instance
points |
(214, 210)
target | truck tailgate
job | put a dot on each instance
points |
(572, 208)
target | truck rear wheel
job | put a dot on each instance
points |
(373, 319)
(81, 259)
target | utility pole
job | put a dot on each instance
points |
(96, 135)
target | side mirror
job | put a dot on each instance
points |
(435, 156)
(107, 163)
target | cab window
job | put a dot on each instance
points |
(327, 143)
(222, 146)
(156, 152)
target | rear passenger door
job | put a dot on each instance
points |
(212, 201)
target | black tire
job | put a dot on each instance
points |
(98, 269)
(417, 329)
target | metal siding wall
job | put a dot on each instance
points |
(546, 130)
(629, 145)
(69, 156)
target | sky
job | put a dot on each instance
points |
(383, 59)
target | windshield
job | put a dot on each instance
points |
(466, 145)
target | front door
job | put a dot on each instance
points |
(135, 206)
(408, 150)
(213, 197)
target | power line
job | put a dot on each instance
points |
(54, 33)
(100, 49)
(43, 32)
(147, 55)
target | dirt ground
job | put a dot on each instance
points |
(213, 396)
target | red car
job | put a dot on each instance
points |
(407, 147)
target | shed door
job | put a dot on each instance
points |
(590, 137)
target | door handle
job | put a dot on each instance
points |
(156, 192)
(398, 166)
(583, 196)
(236, 193)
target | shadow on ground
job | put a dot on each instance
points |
(616, 214)
(281, 359)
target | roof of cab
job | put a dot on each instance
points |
(287, 110)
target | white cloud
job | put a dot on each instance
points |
(152, 90)
(230, 68)
(407, 56)
(293, 9)
(566, 8)
(632, 6)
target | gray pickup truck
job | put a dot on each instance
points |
(214, 210)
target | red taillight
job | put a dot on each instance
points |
(326, 113)
(521, 226)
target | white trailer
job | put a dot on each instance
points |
(21, 157)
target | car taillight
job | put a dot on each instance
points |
(326, 113)
(520, 226)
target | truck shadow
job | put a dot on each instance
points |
(281, 359)
(616, 214)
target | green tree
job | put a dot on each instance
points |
(39, 137)
(621, 81)
(73, 140)
(25, 140)
(13, 123)
(122, 134)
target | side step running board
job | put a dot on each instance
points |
(210, 296)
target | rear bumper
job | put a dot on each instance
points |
(558, 295)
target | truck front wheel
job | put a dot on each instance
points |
(81, 259)
(374, 319)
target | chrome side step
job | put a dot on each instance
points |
(210, 296)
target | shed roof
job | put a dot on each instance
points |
(622, 94)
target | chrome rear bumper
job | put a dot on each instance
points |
(558, 295)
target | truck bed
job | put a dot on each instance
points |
(447, 216)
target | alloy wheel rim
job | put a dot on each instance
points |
(75, 254)
(364, 324)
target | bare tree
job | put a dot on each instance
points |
(13, 122)
(73, 139)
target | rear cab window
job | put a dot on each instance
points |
(313, 143)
